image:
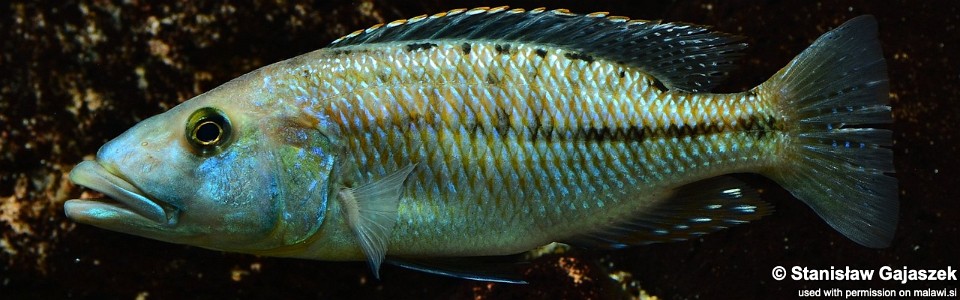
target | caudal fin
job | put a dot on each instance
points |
(835, 161)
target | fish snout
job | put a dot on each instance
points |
(139, 148)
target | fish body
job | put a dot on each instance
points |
(492, 131)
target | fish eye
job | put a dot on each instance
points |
(208, 133)
(208, 130)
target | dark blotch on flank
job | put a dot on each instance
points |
(382, 77)
(579, 56)
(503, 122)
(420, 46)
(541, 53)
(502, 49)
(465, 48)
(535, 127)
(492, 80)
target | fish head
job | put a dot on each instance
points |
(223, 171)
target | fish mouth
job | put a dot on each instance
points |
(127, 199)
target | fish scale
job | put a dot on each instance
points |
(456, 103)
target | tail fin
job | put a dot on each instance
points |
(840, 80)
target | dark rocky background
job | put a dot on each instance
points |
(77, 73)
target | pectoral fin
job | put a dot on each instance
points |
(371, 212)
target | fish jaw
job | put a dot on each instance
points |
(131, 203)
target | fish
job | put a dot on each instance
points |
(453, 143)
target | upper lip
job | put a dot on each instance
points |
(93, 175)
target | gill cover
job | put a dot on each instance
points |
(303, 164)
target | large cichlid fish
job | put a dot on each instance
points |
(441, 140)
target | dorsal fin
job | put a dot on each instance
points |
(682, 56)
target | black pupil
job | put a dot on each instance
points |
(208, 132)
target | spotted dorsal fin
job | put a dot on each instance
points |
(682, 56)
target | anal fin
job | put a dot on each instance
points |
(693, 210)
(371, 212)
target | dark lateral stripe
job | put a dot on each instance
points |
(761, 125)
